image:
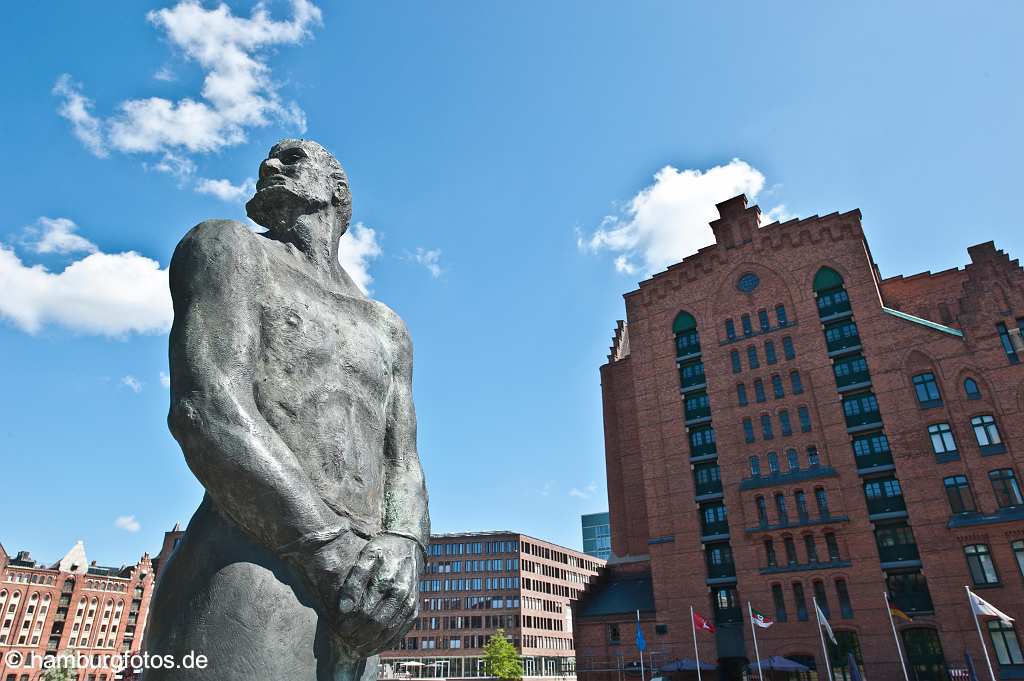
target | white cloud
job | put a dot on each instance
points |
(165, 74)
(777, 213)
(128, 523)
(431, 259)
(358, 247)
(165, 380)
(668, 220)
(108, 294)
(224, 190)
(238, 91)
(75, 107)
(132, 383)
(584, 493)
(56, 235)
(175, 165)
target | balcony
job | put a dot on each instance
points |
(697, 408)
(901, 554)
(841, 338)
(861, 412)
(713, 529)
(851, 372)
(873, 460)
(687, 345)
(886, 506)
(708, 487)
(912, 602)
(691, 376)
(833, 303)
(723, 571)
(728, 615)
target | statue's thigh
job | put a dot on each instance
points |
(246, 622)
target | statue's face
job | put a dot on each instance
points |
(298, 177)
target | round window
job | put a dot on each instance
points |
(748, 282)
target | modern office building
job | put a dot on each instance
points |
(784, 424)
(597, 535)
(478, 582)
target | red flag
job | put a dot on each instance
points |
(702, 623)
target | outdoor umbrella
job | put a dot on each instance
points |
(780, 664)
(686, 665)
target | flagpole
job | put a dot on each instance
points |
(696, 653)
(892, 623)
(821, 635)
(641, 650)
(984, 648)
(753, 632)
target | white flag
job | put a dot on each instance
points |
(823, 621)
(983, 607)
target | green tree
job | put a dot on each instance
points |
(501, 659)
(62, 669)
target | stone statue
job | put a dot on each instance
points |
(291, 398)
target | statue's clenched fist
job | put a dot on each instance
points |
(377, 602)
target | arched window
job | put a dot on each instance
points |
(685, 330)
(826, 279)
(755, 466)
(832, 297)
(971, 389)
(773, 463)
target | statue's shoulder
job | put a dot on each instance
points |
(217, 249)
(394, 324)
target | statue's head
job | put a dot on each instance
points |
(297, 178)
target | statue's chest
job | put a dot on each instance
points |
(333, 341)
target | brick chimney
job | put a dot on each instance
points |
(737, 222)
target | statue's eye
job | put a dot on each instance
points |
(292, 156)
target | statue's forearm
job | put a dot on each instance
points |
(406, 501)
(251, 475)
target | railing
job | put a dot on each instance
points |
(728, 615)
(912, 601)
(720, 570)
(873, 459)
(833, 302)
(898, 552)
(696, 412)
(716, 527)
(886, 505)
(841, 336)
(689, 376)
(712, 487)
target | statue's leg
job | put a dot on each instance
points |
(232, 601)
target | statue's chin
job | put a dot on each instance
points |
(275, 207)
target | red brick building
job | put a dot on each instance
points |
(782, 423)
(75, 606)
(475, 583)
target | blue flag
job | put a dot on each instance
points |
(971, 674)
(641, 644)
(855, 674)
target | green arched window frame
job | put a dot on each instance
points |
(827, 279)
(684, 322)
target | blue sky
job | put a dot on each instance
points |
(516, 167)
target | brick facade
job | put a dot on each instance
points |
(834, 374)
(475, 583)
(73, 605)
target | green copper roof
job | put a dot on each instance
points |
(923, 322)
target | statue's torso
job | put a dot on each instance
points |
(323, 380)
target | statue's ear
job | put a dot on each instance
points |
(338, 197)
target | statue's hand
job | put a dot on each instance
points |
(378, 601)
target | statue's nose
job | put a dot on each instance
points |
(271, 166)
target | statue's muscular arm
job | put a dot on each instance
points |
(247, 469)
